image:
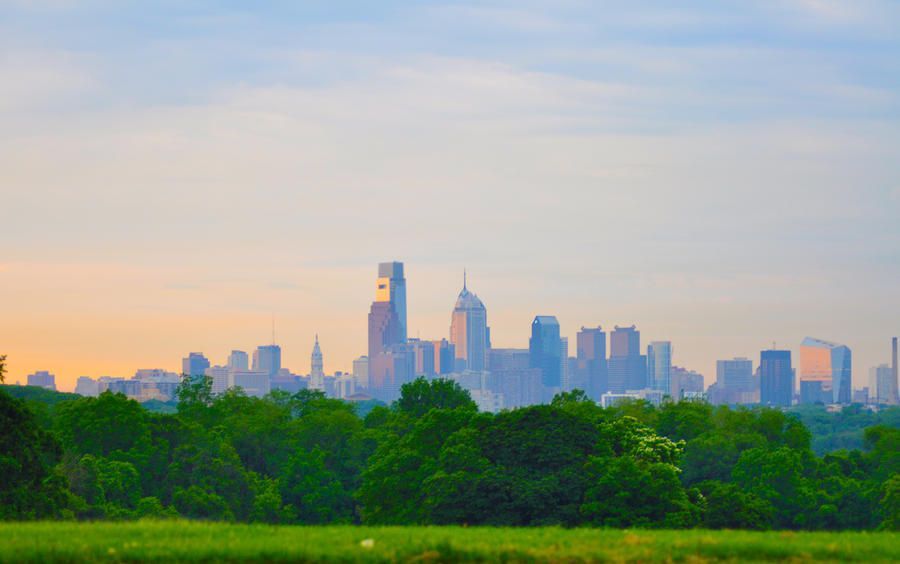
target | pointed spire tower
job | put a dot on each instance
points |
(317, 372)
(469, 331)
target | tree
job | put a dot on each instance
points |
(421, 395)
(729, 507)
(30, 488)
(110, 425)
(313, 494)
(627, 492)
(2, 368)
(890, 504)
(776, 475)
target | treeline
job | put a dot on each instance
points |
(432, 458)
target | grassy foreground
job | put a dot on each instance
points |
(187, 541)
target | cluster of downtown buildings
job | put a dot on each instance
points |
(500, 378)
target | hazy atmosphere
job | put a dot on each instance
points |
(174, 176)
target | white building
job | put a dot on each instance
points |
(361, 371)
(344, 386)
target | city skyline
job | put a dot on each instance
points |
(628, 342)
(721, 176)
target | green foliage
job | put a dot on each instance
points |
(29, 488)
(431, 458)
(890, 504)
(421, 395)
(2, 368)
(730, 507)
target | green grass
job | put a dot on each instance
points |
(190, 541)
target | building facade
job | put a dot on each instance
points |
(825, 372)
(659, 367)
(776, 378)
(469, 331)
(591, 367)
(545, 350)
(627, 367)
(194, 365)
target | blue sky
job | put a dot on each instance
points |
(723, 174)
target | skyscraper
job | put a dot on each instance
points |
(238, 360)
(267, 358)
(825, 372)
(391, 287)
(627, 367)
(444, 357)
(591, 371)
(881, 380)
(361, 371)
(194, 365)
(317, 368)
(776, 378)
(892, 393)
(544, 349)
(564, 376)
(391, 362)
(734, 382)
(424, 351)
(469, 332)
(659, 367)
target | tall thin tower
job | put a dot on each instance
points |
(317, 371)
(893, 393)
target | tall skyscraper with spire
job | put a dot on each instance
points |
(317, 368)
(469, 331)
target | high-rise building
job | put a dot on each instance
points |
(825, 372)
(735, 383)
(389, 370)
(194, 365)
(391, 361)
(685, 383)
(591, 371)
(881, 379)
(776, 378)
(891, 390)
(469, 331)
(317, 368)
(391, 287)
(511, 376)
(267, 359)
(384, 328)
(545, 350)
(564, 375)
(444, 357)
(424, 351)
(627, 367)
(238, 360)
(361, 371)
(42, 379)
(87, 387)
(255, 383)
(659, 367)
(221, 378)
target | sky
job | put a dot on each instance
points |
(174, 175)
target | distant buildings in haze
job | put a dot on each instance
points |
(608, 371)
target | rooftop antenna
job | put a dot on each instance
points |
(464, 279)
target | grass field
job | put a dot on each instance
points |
(186, 541)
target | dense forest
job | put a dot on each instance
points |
(432, 458)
